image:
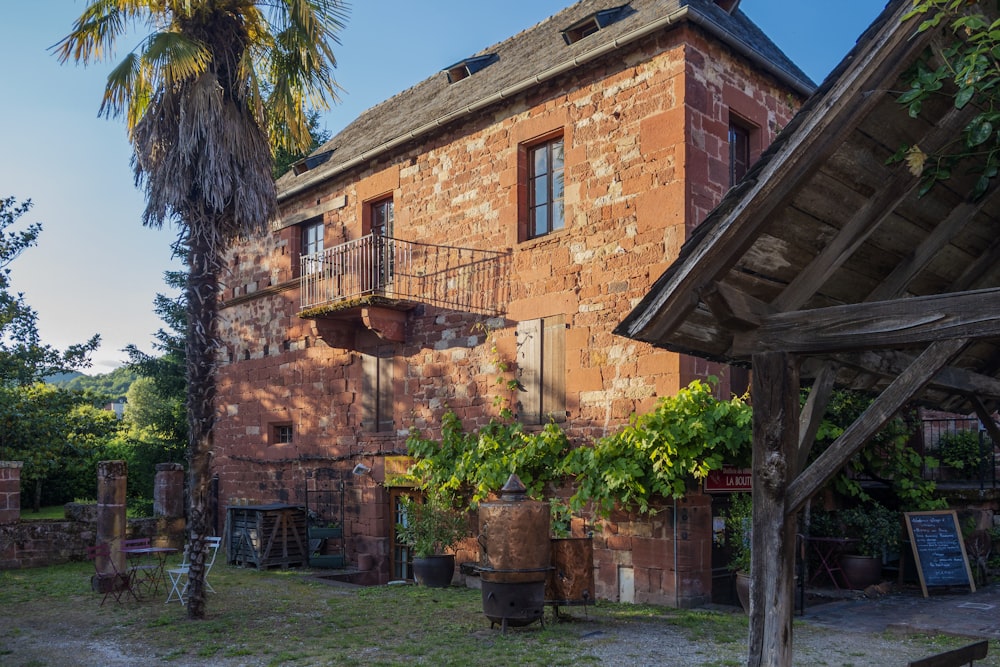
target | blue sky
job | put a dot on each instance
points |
(96, 269)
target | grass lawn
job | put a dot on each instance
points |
(289, 618)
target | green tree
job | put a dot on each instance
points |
(53, 431)
(206, 96)
(109, 385)
(24, 359)
(965, 68)
(166, 371)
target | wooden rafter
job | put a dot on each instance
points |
(895, 323)
(881, 410)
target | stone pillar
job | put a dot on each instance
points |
(168, 491)
(10, 491)
(111, 479)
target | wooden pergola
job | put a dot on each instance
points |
(825, 266)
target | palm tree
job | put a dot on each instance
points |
(207, 95)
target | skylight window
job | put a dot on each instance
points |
(594, 22)
(311, 162)
(466, 68)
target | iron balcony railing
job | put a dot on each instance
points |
(406, 271)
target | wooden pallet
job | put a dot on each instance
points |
(267, 536)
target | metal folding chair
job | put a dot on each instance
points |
(140, 573)
(107, 577)
(179, 574)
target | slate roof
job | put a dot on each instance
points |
(524, 61)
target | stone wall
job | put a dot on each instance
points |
(36, 543)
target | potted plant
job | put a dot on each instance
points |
(876, 531)
(325, 531)
(429, 528)
(739, 525)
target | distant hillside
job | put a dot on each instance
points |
(113, 385)
(62, 379)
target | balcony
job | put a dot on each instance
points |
(381, 271)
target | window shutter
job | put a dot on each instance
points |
(529, 371)
(554, 369)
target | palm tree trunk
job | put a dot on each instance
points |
(202, 287)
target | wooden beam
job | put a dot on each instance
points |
(890, 363)
(986, 419)
(902, 389)
(897, 281)
(867, 219)
(901, 322)
(775, 443)
(735, 309)
(812, 413)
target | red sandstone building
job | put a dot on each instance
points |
(510, 209)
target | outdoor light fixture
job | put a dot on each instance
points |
(361, 469)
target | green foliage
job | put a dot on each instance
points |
(875, 526)
(887, 458)
(111, 385)
(960, 450)
(739, 526)
(655, 456)
(430, 527)
(24, 359)
(660, 452)
(56, 433)
(967, 69)
(160, 413)
(474, 465)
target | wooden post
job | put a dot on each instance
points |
(775, 396)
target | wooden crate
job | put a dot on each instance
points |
(265, 536)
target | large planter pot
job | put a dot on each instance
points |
(861, 571)
(434, 571)
(743, 590)
(571, 578)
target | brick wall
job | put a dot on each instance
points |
(646, 150)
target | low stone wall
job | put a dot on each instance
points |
(40, 543)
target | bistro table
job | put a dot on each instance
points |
(828, 550)
(145, 567)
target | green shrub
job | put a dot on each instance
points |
(961, 450)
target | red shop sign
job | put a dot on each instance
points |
(728, 480)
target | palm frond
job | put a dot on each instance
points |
(176, 56)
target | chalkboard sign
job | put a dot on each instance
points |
(938, 549)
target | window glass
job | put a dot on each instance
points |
(739, 152)
(312, 238)
(546, 188)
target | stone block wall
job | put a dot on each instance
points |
(10, 491)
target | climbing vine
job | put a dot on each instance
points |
(966, 69)
(656, 455)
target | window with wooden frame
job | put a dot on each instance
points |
(377, 393)
(545, 187)
(541, 364)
